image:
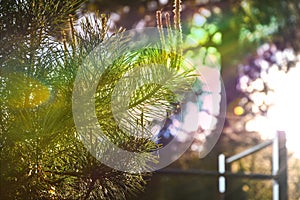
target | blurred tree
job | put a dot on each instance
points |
(241, 24)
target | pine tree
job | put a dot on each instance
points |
(42, 156)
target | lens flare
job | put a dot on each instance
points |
(25, 92)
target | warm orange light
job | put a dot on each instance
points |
(26, 92)
(238, 110)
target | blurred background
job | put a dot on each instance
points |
(255, 45)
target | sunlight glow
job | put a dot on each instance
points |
(271, 82)
(26, 92)
(285, 112)
(283, 99)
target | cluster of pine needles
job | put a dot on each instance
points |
(42, 156)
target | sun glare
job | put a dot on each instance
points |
(284, 113)
(26, 92)
(274, 93)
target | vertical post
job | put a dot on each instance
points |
(222, 181)
(282, 173)
(275, 167)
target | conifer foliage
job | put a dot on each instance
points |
(41, 154)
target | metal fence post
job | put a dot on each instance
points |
(222, 180)
(275, 166)
(282, 173)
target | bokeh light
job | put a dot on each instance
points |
(270, 82)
